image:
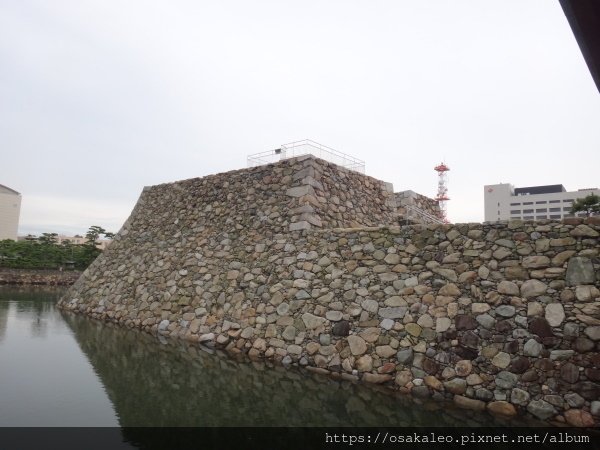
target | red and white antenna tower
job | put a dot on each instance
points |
(442, 193)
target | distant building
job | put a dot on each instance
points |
(75, 240)
(505, 202)
(80, 240)
(10, 209)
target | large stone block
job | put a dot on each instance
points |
(533, 288)
(299, 191)
(580, 270)
(555, 314)
(302, 225)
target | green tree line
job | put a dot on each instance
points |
(589, 205)
(44, 252)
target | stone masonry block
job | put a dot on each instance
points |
(302, 225)
(300, 191)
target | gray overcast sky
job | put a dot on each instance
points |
(100, 98)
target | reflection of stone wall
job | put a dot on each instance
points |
(38, 277)
(406, 199)
(502, 316)
(174, 384)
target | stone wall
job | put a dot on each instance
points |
(220, 390)
(503, 317)
(297, 193)
(38, 277)
(407, 199)
(351, 199)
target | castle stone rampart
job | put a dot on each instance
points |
(407, 201)
(503, 316)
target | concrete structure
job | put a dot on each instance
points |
(10, 209)
(302, 262)
(505, 202)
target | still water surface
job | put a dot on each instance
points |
(59, 369)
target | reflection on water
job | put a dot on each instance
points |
(45, 380)
(176, 384)
(63, 369)
(3, 319)
(33, 305)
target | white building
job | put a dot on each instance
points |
(80, 240)
(505, 202)
(75, 240)
(10, 209)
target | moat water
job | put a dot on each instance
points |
(60, 369)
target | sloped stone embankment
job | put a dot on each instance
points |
(503, 317)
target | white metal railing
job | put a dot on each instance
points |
(307, 147)
(424, 215)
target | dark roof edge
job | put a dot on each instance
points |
(584, 19)
(545, 189)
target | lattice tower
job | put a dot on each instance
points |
(442, 193)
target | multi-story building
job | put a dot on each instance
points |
(505, 202)
(80, 240)
(10, 209)
(75, 240)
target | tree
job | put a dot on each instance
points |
(48, 238)
(93, 234)
(90, 248)
(45, 252)
(589, 205)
